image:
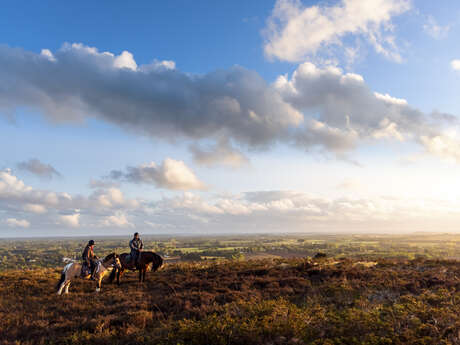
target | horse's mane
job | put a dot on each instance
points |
(110, 256)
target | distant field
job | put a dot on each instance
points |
(36, 253)
(240, 302)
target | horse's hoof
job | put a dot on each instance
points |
(98, 289)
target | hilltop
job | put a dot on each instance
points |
(280, 301)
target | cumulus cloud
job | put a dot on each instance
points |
(295, 32)
(51, 208)
(341, 111)
(117, 220)
(38, 168)
(171, 174)
(70, 220)
(218, 112)
(261, 211)
(156, 100)
(17, 223)
(109, 199)
(15, 194)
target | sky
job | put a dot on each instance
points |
(239, 117)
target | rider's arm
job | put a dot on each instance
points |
(141, 245)
(131, 245)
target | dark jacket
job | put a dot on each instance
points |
(88, 255)
(135, 245)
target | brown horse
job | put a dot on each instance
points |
(145, 259)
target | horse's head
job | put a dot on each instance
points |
(117, 262)
(113, 259)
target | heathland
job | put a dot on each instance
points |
(258, 290)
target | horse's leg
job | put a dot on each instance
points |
(64, 279)
(98, 286)
(140, 274)
(61, 287)
(66, 291)
(119, 274)
(143, 274)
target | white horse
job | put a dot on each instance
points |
(73, 270)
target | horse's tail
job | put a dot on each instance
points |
(157, 263)
(61, 280)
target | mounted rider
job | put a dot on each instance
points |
(136, 247)
(89, 260)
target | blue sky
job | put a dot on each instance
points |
(211, 117)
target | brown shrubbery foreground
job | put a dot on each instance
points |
(242, 302)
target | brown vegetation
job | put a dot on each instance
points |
(285, 301)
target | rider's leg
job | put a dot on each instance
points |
(93, 269)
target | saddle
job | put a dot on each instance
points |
(129, 262)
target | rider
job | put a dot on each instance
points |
(89, 258)
(136, 246)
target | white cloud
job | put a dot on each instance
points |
(125, 60)
(262, 211)
(455, 64)
(156, 65)
(50, 208)
(432, 28)
(35, 208)
(391, 100)
(294, 31)
(444, 145)
(345, 112)
(17, 223)
(109, 199)
(47, 54)
(295, 211)
(70, 220)
(388, 130)
(15, 194)
(118, 220)
(171, 174)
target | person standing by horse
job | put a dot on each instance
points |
(89, 259)
(136, 247)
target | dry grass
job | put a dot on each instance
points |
(285, 301)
